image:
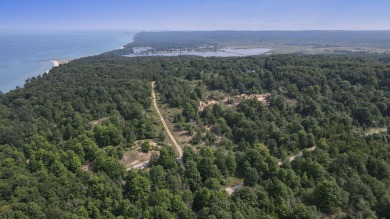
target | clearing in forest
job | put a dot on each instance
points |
(134, 157)
(232, 101)
(371, 131)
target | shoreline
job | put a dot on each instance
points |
(57, 62)
(14, 74)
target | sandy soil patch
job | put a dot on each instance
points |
(232, 101)
(135, 156)
(207, 103)
(184, 137)
(98, 121)
(86, 167)
(371, 131)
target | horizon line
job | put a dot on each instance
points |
(183, 30)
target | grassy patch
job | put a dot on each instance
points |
(231, 181)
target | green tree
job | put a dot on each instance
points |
(251, 177)
(90, 148)
(189, 112)
(201, 198)
(384, 205)
(109, 165)
(188, 154)
(157, 177)
(71, 161)
(304, 212)
(138, 188)
(145, 146)
(107, 135)
(212, 184)
(328, 196)
(34, 210)
(231, 164)
(362, 115)
(167, 158)
(193, 176)
(208, 169)
(161, 198)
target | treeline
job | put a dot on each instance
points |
(62, 135)
(186, 40)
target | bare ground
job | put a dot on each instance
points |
(134, 157)
(98, 121)
(143, 161)
(235, 99)
(178, 148)
(371, 131)
(86, 167)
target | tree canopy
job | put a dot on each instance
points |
(62, 136)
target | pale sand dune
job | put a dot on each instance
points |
(55, 63)
(58, 62)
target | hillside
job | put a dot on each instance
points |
(296, 130)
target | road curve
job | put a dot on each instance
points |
(178, 148)
(292, 158)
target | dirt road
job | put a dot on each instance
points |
(178, 148)
(139, 165)
(292, 158)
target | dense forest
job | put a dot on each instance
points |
(187, 40)
(89, 112)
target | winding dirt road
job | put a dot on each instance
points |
(178, 148)
(230, 189)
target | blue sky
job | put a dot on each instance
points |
(196, 14)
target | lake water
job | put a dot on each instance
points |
(27, 54)
(227, 52)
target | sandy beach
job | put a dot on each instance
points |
(55, 63)
(58, 62)
(27, 59)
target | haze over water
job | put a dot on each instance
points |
(27, 54)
